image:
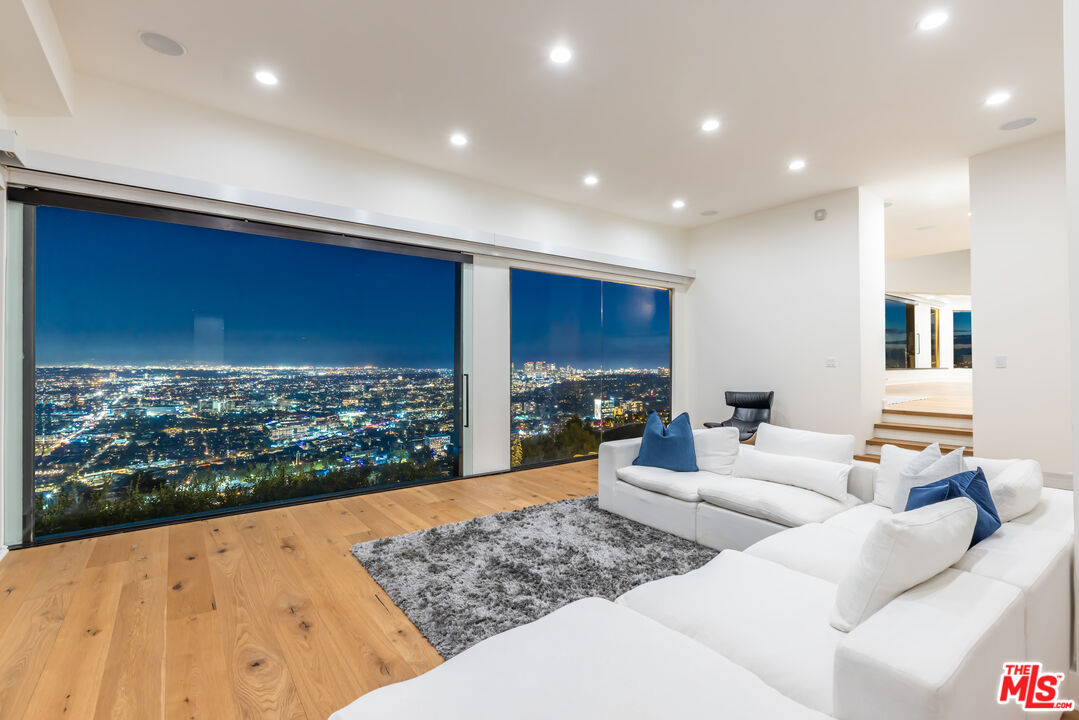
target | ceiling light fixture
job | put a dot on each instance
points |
(161, 43)
(933, 20)
(796, 164)
(560, 55)
(998, 98)
(459, 139)
(266, 77)
(1017, 124)
(678, 203)
(710, 125)
(591, 180)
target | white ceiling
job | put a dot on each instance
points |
(850, 85)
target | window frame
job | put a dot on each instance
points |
(31, 198)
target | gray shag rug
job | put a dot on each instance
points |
(465, 582)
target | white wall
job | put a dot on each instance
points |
(131, 128)
(1071, 120)
(941, 274)
(1019, 301)
(777, 295)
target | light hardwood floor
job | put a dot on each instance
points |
(260, 615)
(934, 396)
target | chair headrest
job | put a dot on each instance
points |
(761, 400)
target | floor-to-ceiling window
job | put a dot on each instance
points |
(962, 345)
(185, 365)
(899, 338)
(590, 360)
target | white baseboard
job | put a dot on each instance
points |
(3, 551)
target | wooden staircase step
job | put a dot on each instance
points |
(935, 429)
(931, 413)
(868, 458)
(914, 445)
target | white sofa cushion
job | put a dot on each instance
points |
(822, 476)
(1016, 485)
(589, 659)
(933, 653)
(679, 485)
(892, 461)
(822, 551)
(1055, 510)
(1038, 562)
(926, 468)
(900, 552)
(716, 449)
(859, 520)
(783, 504)
(768, 619)
(805, 443)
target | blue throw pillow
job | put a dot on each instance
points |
(971, 484)
(669, 447)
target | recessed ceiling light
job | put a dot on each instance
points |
(710, 125)
(933, 20)
(266, 77)
(1017, 124)
(998, 98)
(560, 55)
(459, 139)
(678, 203)
(796, 164)
(161, 43)
(591, 180)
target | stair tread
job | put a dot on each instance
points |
(912, 427)
(915, 444)
(932, 413)
(868, 458)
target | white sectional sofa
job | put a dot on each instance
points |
(749, 635)
(718, 509)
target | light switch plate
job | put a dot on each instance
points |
(830, 362)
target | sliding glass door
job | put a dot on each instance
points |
(185, 365)
(590, 360)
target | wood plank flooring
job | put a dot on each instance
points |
(939, 396)
(260, 615)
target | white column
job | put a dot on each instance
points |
(490, 416)
(1019, 298)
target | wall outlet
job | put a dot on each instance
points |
(830, 362)
(1002, 361)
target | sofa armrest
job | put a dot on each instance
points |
(935, 652)
(612, 456)
(863, 478)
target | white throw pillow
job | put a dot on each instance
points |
(805, 443)
(821, 476)
(918, 474)
(892, 461)
(716, 449)
(902, 551)
(1016, 485)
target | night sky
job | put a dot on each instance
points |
(115, 290)
(120, 291)
(589, 323)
